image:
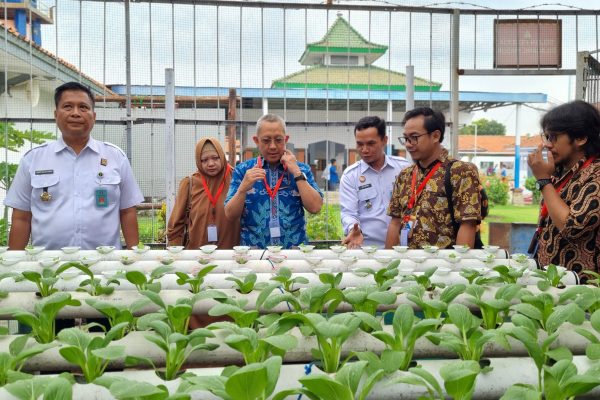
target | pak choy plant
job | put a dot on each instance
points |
(46, 280)
(255, 381)
(433, 304)
(176, 346)
(91, 352)
(126, 389)
(42, 319)
(406, 329)
(586, 297)
(550, 277)
(42, 387)
(152, 282)
(18, 353)
(493, 311)
(468, 340)
(93, 285)
(352, 382)
(313, 299)
(526, 329)
(541, 309)
(195, 281)
(284, 277)
(367, 298)
(424, 280)
(331, 333)
(459, 380)
(119, 313)
(255, 346)
(384, 277)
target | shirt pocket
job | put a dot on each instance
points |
(366, 199)
(45, 183)
(110, 181)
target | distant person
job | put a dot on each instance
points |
(269, 194)
(419, 207)
(503, 173)
(198, 217)
(334, 179)
(366, 186)
(75, 191)
(568, 232)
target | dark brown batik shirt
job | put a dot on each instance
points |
(577, 246)
(433, 222)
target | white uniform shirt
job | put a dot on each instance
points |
(365, 195)
(76, 184)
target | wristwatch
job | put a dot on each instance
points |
(301, 177)
(540, 183)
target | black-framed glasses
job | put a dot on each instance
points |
(550, 137)
(410, 139)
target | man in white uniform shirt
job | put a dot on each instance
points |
(75, 191)
(366, 186)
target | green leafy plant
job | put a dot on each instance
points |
(406, 329)
(312, 299)
(92, 285)
(45, 387)
(541, 310)
(284, 277)
(424, 279)
(125, 389)
(331, 333)
(497, 190)
(91, 353)
(142, 282)
(246, 285)
(176, 346)
(252, 382)
(586, 297)
(46, 280)
(18, 353)
(507, 274)
(433, 306)
(593, 349)
(117, 313)
(418, 376)
(469, 340)
(42, 320)
(352, 382)
(551, 277)
(195, 281)
(384, 277)
(367, 298)
(493, 310)
(255, 346)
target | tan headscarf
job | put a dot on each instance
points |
(201, 209)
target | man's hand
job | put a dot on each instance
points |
(354, 239)
(541, 169)
(289, 161)
(252, 176)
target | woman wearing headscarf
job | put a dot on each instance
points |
(210, 183)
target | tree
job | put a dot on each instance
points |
(484, 127)
(13, 139)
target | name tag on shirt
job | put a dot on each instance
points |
(101, 197)
(44, 172)
(212, 233)
(274, 228)
(365, 186)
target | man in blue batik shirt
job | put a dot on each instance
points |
(269, 193)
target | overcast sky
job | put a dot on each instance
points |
(253, 48)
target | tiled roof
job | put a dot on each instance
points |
(100, 87)
(342, 77)
(495, 144)
(342, 34)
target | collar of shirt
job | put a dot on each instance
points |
(561, 173)
(444, 156)
(92, 144)
(364, 166)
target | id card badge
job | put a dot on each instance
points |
(274, 228)
(212, 233)
(101, 196)
(404, 234)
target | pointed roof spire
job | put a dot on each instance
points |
(342, 39)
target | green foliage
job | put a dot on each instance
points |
(326, 225)
(530, 185)
(484, 127)
(12, 361)
(497, 190)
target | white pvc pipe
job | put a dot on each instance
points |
(26, 302)
(136, 345)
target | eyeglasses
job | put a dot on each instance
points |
(410, 139)
(279, 140)
(550, 137)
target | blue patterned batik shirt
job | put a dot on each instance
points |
(259, 212)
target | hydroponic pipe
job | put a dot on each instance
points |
(26, 301)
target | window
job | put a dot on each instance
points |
(344, 60)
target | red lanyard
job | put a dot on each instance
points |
(565, 180)
(416, 192)
(272, 191)
(213, 200)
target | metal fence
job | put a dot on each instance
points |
(321, 67)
